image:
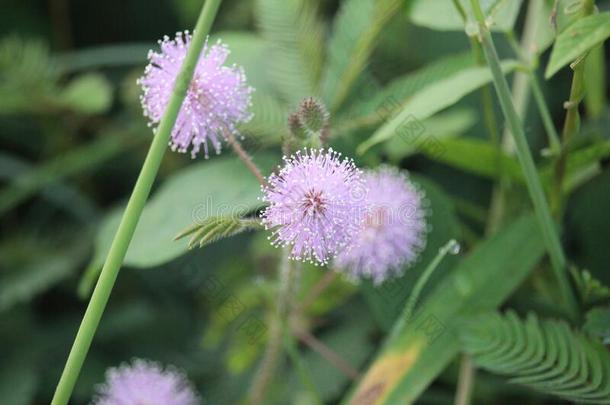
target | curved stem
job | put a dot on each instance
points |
(450, 247)
(132, 213)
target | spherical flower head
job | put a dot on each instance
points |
(394, 229)
(315, 204)
(145, 382)
(217, 99)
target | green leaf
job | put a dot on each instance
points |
(577, 39)
(351, 23)
(294, 34)
(355, 31)
(247, 51)
(590, 290)
(350, 341)
(198, 192)
(269, 114)
(430, 100)
(545, 355)
(211, 229)
(18, 383)
(435, 129)
(79, 160)
(387, 300)
(442, 15)
(46, 268)
(28, 75)
(371, 110)
(87, 94)
(269, 120)
(414, 356)
(476, 156)
(598, 323)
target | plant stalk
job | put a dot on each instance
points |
(541, 208)
(273, 351)
(451, 247)
(465, 381)
(132, 213)
(543, 109)
(571, 125)
(244, 157)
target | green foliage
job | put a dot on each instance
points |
(30, 82)
(355, 32)
(88, 94)
(387, 101)
(26, 68)
(294, 34)
(476, 156)
(26, 278)
(416, 354)
(430, 100)
(211, 229)
(598, 323)
(441, 126)
(71, 150)
(387, 300)
(590, 290)
(440, 15)
(577, 39)
(79, 160)
(350, 24)
(175, 206)
(545, 355)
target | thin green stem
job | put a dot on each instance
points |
(547, 121)
(534, 185)
(571, 124)
(273, 350)
(491, 124)
(543, 109)
(302, 371)
(450, 247)
(132, 213)
(465, 381)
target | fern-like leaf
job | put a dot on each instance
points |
(26, 69)
(294, 33)
(597, 323)
(355, 32)
(545, 355)
(215, 228)
(590, 290)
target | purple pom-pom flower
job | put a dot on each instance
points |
(217, 98)
(315, 204)
(145, 382)
(394, 230)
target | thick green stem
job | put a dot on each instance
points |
(541, 208)
(136, 203)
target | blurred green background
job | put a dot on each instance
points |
(73, 138)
